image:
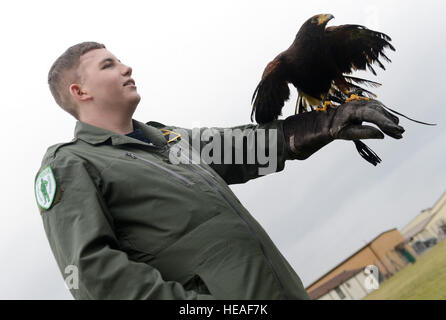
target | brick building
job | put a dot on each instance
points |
(388, 251)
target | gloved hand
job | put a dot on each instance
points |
(306, 133)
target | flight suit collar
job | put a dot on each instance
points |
(95, 135)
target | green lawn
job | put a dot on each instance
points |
(426, 279)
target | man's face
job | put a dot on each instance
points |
(103, 77)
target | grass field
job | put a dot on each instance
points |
(426, 279)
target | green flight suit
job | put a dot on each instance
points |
(138, 226)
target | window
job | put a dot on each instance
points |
(340, 293)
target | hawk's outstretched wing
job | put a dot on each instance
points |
(355, 47)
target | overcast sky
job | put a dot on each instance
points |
(196, 63)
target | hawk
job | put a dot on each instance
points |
(318, 64)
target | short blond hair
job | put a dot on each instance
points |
(63, 73)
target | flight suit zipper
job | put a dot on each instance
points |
(221, 194)
(171, 172)
(181, 155)
(253, 232)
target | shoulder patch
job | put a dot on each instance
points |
(45, 188)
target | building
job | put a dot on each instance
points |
(389, 252)
(348, 285)
(428, 227)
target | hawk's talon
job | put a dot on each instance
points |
(326, 104)
(356, 97)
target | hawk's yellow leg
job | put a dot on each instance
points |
(356, 97)
(326, 104)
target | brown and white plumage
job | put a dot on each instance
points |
(318, 63)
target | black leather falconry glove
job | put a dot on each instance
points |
(310, 131)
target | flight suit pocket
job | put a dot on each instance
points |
(151, 205)
(237, 272)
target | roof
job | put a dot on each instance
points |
(356, 252)
(333, 283)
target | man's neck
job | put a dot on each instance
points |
(115, 124)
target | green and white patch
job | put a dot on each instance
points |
(45, 188)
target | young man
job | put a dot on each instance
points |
(131, 223)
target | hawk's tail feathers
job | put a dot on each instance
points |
(268, 99)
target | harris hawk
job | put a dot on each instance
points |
(318, 63)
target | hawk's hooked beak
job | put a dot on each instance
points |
(324, 18)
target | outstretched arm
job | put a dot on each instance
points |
(239, 153)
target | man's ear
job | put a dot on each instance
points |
(78, 93)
